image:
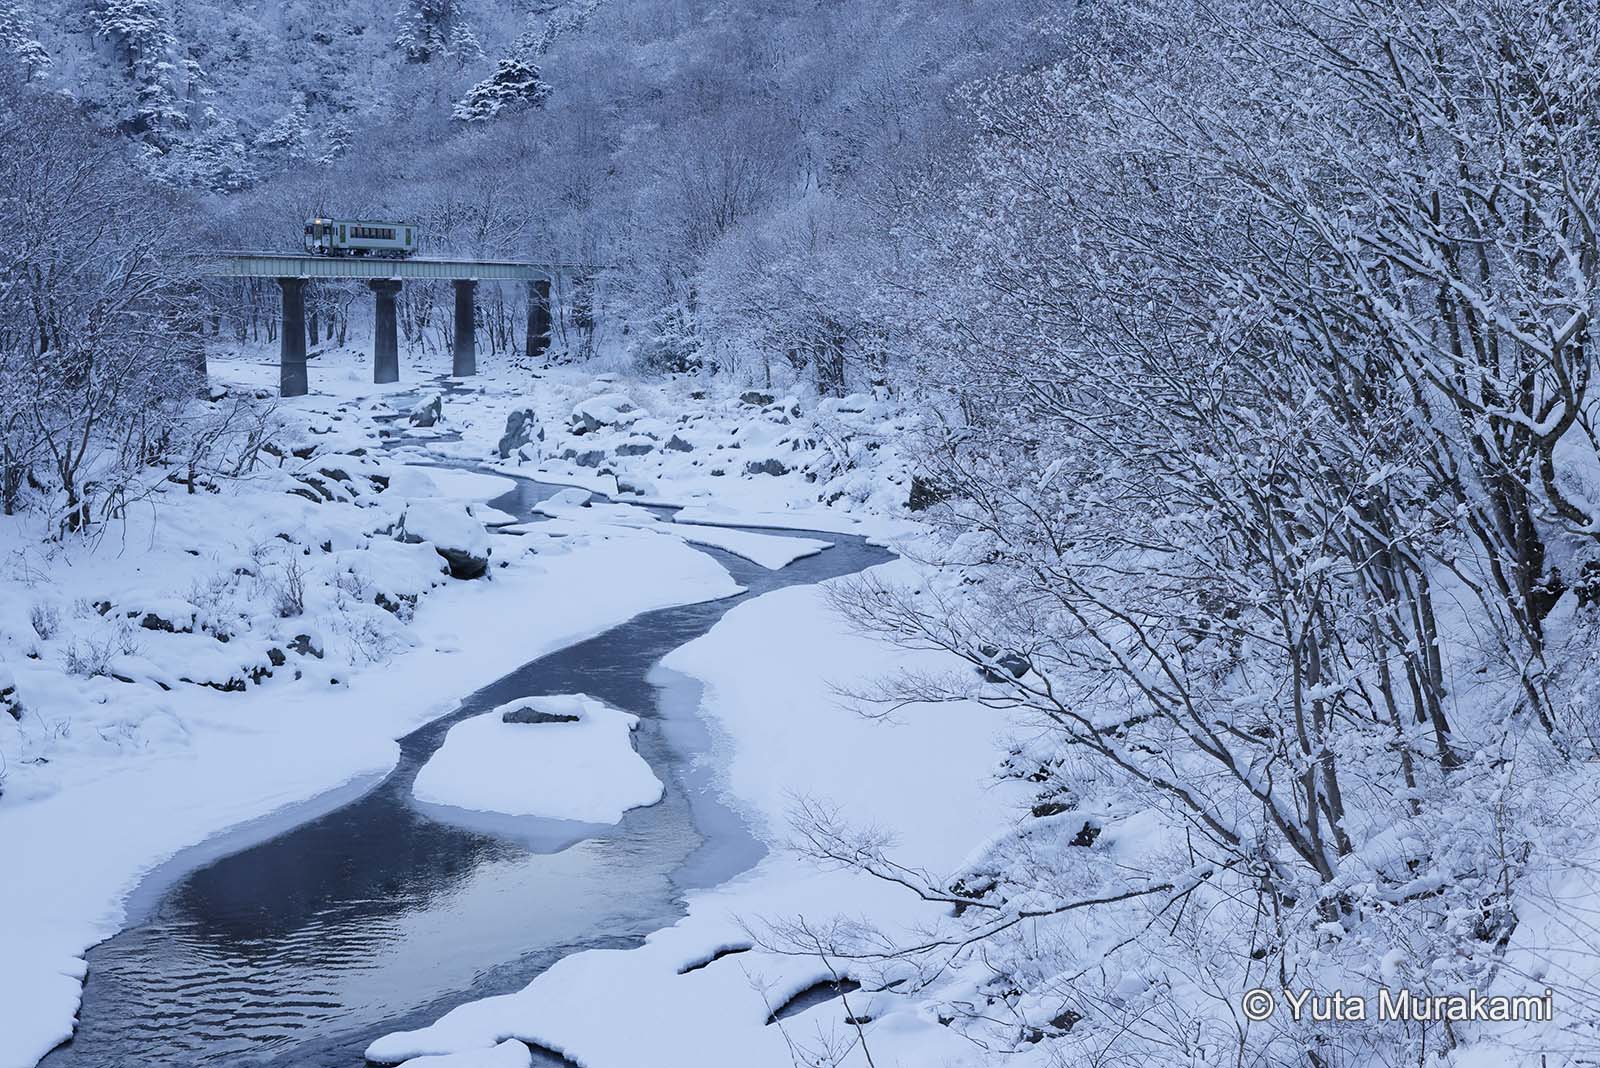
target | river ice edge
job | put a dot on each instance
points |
(85, 842)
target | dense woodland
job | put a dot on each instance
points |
(1251, 340)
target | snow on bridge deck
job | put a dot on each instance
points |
(289, 265)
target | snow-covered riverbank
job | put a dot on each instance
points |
(225, 655)
(923, 778)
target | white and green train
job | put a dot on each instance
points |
(360, 237)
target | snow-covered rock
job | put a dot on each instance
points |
(769, 466)
(608, 409)
(531, 713)
(454, 534)
(578, 764)
(522, 428)
(9, 700)
(571, 497)
(428, 412)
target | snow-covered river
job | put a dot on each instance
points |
(380, 914)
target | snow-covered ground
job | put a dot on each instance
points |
(770, 669)
(565, 757)
(225, 655)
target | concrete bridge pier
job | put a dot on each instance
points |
(539, 321)
(292, 339)
(385, 338)
(466, 347)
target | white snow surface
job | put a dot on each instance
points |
(926, 778)
(771, 551)
(508, 1054)
(586, 771)
(106, 779)
(103, 772)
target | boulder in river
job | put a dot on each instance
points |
(522, 428)
(571, 497)
(429, 412)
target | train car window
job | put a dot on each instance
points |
(341, 232)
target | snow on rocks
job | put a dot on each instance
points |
(575, 762)
(427, 413)
(522, 430)
(453, 532)
(606, 410)
(755, 452)
(451, 483)
(571, 497)
(10, 702)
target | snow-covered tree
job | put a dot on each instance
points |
(216, 159)
(149, 105)
(514, 86)
(561, 20)
(95, 320)
(291, 133)
(1253, 411)
(430, 29)
(19, 38)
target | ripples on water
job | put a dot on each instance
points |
(300, 950)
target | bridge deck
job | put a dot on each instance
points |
(287, 265)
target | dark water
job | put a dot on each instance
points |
(378, 915)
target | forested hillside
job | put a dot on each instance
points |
(1237, 356)
(739, 163)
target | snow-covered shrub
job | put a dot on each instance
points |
(288, 585)
(87, 657)
(214, 597)
(45, 617)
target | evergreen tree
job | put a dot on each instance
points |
(216, 159)
(17, 38)
(141, 31)
(514, 86)
(288, 136)
(433, 28)
(335, 141)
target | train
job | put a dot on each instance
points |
(360, 237)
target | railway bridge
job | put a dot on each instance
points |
(385, 277)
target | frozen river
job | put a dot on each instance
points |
(382, 914)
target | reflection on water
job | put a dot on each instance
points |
(299, 950)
